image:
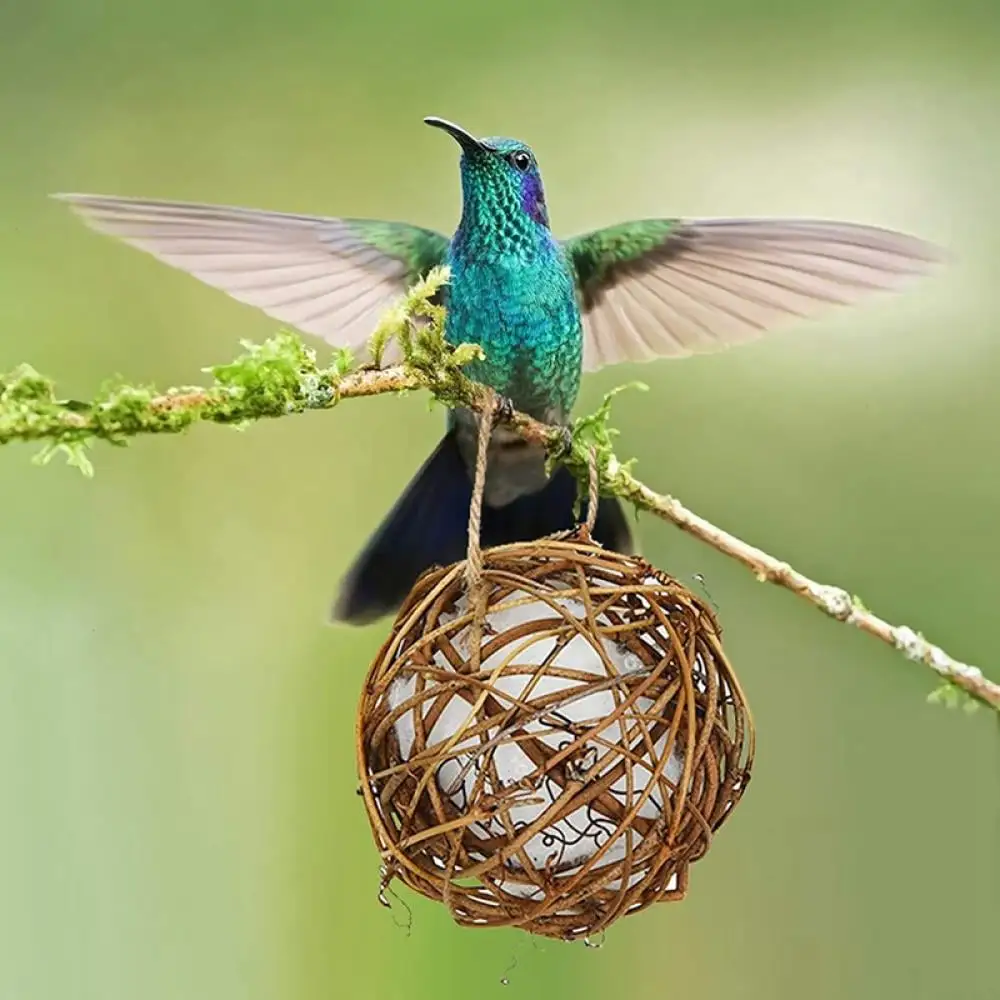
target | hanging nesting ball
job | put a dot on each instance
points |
(553, 749)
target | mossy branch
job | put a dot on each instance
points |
(282, 377)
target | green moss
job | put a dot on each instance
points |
(121, 411)
(25, 385)
(952, 696)
(270, 379)
(75, 453)
(593, 432)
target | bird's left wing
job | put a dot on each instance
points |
(672, 287)
(325, 276)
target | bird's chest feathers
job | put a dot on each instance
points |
(523, 312)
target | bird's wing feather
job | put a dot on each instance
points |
(672, 287)
(325, 276)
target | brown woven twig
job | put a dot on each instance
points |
(571, 772)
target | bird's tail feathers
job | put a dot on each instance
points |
(428, 526)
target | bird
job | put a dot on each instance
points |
(544, 310)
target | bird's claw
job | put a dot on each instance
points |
(503, 410)
(566, 439)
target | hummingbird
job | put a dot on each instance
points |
(543, 309)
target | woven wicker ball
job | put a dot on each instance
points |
(570, 772)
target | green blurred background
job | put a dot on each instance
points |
(177, 781)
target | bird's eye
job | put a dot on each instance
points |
(520, 160)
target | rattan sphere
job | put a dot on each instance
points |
(570, 772)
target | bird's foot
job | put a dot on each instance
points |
(566, 439)
(503, 410)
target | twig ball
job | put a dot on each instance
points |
(556, 754)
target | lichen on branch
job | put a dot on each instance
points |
(282, 376)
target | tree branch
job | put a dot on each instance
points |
(281, 377)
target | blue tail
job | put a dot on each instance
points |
(428, 526)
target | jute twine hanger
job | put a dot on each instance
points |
(474, 553)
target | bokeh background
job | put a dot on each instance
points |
(177, 781)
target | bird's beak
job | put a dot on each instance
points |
(467, 141)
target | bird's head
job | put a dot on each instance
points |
(501, 183)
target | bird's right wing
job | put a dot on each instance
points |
(325, 276)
